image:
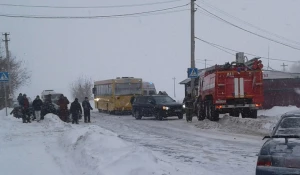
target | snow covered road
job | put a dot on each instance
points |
(122, 145)
(190, 149)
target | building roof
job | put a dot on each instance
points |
(186, 81)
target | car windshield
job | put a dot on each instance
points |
(289, 126)
(163, 99)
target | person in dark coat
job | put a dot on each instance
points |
(63, 108)
(75, 110)
(189, 105)
(20, 97)
(25, 109)
(86, 110)
(37, 106)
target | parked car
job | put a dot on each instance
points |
(160, 106)
(280, 154)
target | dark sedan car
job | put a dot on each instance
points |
(160, 106)
(280, 154)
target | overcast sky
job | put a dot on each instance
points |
(155, 47)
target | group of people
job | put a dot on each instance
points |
(40, 109)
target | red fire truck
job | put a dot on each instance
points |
(232, 88)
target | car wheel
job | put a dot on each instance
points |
(137, 115)
(180, 116)
(158, 116)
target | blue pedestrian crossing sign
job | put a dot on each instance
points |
(4, 76)
(192, 72)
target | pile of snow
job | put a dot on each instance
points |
(263, 125)
(276, 111)
(97, 150)
(54, 147)
(53, 122)
(239, 125)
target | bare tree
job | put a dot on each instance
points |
(19, 76)
(81, 88)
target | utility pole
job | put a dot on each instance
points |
(174, 87)
(192, 44)
(268, 57)
(284, 65)
(8, 65)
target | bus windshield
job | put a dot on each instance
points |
(128, 89)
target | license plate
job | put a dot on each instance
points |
(178, 110)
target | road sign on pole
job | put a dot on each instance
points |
(192, 72)
(4, 77)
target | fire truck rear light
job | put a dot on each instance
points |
(218, 107)
(258, 105)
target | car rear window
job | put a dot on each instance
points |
(290, 122)
(289, 126)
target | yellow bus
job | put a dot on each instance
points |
(113, 96)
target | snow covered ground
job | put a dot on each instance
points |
(113, 145)
(53, 147)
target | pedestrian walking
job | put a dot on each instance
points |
(25, 109)
(37, 106)
(63, 108)
(86, 110)
(75, 110)
(188, 101)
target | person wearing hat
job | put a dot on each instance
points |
(37, 106)
(86, 110)
(20, 97)
(25, 107)
(75, 109)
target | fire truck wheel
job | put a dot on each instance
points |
(253, 113)
(200, 114)
(214, 115)
(159, 116)
(246, 113)
(234, 113)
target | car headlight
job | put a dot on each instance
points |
(165, 108)
(183, 106)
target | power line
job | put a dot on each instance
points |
(89, 7)
(253, 33)
(90, 17)
(247, 23)
(223, 49)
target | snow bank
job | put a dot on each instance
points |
(53, 122)
(263, 125)
(239, 125)
(276, 111)
(99, 151)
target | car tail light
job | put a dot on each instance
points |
(264, 161)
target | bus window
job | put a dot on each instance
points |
(128, 89)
